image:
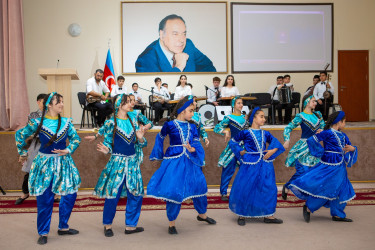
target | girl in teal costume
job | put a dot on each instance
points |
(53, 170)
(299, 156)
(122, 173)
(227, 160)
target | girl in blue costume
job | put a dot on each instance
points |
(180, 176)
(327, 184)
(122, 172)
(299, 156)
(254, 191)
(227, 160)
(53, 170)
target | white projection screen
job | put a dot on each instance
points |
(281, 37)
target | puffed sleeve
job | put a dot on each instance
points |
(292, 125)
(24, 133)
(108, 134)
(350, 157)
(313, 142)
(197, 157)
(202, 131)
(73, 137)
(158, 150)
(272, 144)
(234, 143)
(220, 127)
(142, 119)
(321, 120)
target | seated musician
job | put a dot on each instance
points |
(286, 81)
(310, 90)
(276, 100)
(213, 93)
(321, 87)
(161, 99)
(229, 90)
(95, 87)
(165, 85)
(182, 88)
(119, 88)
(139, 104)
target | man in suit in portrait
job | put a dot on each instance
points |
(173, 52)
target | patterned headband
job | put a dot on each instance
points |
(251, 118)
(234, 100)
(118, 103)
(49, 99)
(307, 100)
(339, 117)
(185, 106)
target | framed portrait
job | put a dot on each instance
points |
(174, 37)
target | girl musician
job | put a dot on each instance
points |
(53, 170)
(229, 89)
(122, 174)
(299, 156)
(254, 191)
(180, 175)
(160, 100)
(327, 184)
(227, 160)
(182, 88)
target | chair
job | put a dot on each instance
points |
(264, 101)
(296, 99)
(86, 109)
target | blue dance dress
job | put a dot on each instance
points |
(122, 175)
(327, 184)
(254, 191)
(50, 173)
(227, 159)
(299, 155)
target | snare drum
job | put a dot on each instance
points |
(207, 112)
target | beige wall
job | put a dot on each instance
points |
(47, 40)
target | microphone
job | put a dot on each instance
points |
(58, 61)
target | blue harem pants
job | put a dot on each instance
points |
(226, 175)
(300, 170)
(336, 208)
(173, 209)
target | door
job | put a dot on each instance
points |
(353, 84)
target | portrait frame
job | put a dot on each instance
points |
(206, 26)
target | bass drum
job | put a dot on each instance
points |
(207, 112)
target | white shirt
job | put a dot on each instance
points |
(136, 95)
(275, 94)
(91, 85)
(228, 92)
(163, 92)
(211, 94)
(116, 91)
(182, 92)
(320, 88)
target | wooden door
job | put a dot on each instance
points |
(353, 84)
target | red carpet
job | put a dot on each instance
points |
(89, 203)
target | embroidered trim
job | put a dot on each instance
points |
(313, 195)
(341, 202)
(260, 216)
(122, 155)
(176, 202)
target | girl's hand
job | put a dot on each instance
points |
(269, 153)
(319, 130)
(22, 159)
(189, 148)
(207, 142)
(140, 133)
(102, 148)
(90, 138)
(60, 151)
(227, 135)
(147, 127)
(243, 152)
(349, 148)
(286, 145)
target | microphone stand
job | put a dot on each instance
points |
(151, 103)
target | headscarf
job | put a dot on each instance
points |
(251, 118)
(49, 99)
(307, 100)
(234, 100)
(339, 117)
(118, 103)
(187, 104)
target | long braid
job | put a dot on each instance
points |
(131, 122)
(330, 120)
(53, 138)
(42, 118)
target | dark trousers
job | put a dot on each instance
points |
(158, 107)
(321, 107)
(25, 184)
(288, 111)
(104, 110)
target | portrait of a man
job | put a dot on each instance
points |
(173, 51)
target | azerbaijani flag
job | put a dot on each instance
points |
(109, 73)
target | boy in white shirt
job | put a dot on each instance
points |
(138, 98)
(119, 88)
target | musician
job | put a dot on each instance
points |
(119, 88)
(310, 90)
(182, 88)
(275, 100)
(95, 86)
(138, 98)
(161, 97)
(286, 80)
(323, 104)
(229, 90)
(213, 93)
(165, 85)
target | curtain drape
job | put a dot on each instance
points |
(14, 103)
